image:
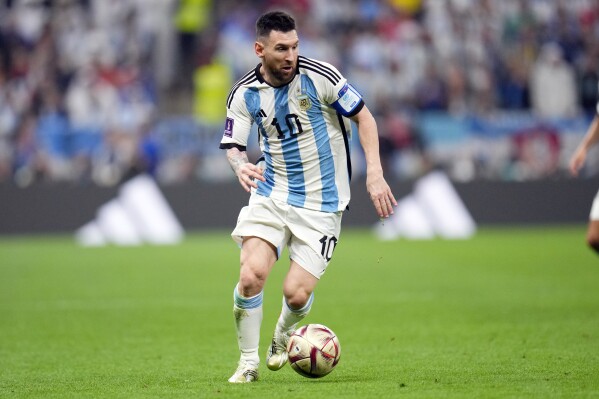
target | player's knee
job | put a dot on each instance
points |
(250, 282)
(297, 299)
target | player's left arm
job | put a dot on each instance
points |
(376, 185)
(347, 101)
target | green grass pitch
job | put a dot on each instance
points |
(511, 313)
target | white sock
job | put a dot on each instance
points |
(289, 318)
(248, 318)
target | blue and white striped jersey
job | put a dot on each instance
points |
(304, 133)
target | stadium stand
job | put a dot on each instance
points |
(93, 91)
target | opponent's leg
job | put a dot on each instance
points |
(257, 259)
(297, 301)
(593, 227)
(593, 235)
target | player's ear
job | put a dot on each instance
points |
(259, 48)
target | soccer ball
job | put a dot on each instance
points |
(313, 350)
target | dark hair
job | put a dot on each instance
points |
(274, 20)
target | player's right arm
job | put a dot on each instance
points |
(580, 155)
(245, 171)
(234, 140)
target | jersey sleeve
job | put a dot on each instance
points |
(341, 95)
(238, 124)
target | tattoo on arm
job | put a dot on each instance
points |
(236, 158)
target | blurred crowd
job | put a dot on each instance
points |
(93, 91)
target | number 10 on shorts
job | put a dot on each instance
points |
(328, 246)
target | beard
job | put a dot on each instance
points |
(282, 76)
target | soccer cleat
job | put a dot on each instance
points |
(245, 373)
(276, 357)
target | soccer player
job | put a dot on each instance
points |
(301, 108)
(576, 162)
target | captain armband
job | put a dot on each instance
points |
(349, 101)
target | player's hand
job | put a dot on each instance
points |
(247, 175)
(380, 194)
(577, 161)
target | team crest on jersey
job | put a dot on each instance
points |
(304, 102)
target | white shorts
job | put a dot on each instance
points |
(310, 235)
(595, 208)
